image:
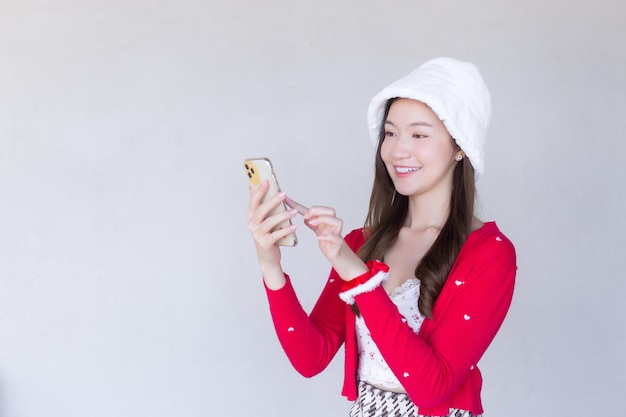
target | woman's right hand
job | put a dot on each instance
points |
(260, 224)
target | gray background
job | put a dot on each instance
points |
(128, 280)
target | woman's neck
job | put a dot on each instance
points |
(428, 211)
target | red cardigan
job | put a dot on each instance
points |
(437, 367)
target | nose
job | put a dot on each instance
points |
(402, 147)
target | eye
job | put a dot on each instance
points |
(419, 136)
(389, 134)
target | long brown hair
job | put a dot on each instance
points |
(388, 211)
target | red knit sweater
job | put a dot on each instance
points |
(437, 367)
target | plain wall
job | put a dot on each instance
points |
(128, 280)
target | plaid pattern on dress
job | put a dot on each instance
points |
(375, 402)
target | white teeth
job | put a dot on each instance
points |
(404, 170)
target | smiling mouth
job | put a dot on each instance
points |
(406, 170)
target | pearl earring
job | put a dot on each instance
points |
(458, 157)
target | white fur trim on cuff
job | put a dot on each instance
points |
(369, 285)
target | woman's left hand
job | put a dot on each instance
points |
(328, 229)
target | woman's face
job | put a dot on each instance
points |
(417, 149)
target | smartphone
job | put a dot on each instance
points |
(259, 170)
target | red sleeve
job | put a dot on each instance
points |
(433, 364)
(311, 341)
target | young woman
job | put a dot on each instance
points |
(418, 294)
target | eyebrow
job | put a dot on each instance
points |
(388, 122)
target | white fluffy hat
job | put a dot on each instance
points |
(455, 91)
